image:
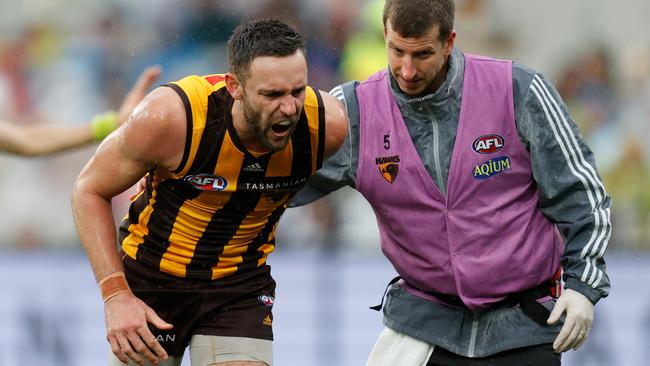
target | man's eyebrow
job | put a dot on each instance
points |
(282, 91)
(271, 91)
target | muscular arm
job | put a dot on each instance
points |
(46, 139)
(336, 123)
(153, 137)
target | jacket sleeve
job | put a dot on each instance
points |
(571, 193)
(337, 170)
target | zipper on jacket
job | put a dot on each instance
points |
(436, 152)
(471, 351)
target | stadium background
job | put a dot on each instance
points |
(64, 60)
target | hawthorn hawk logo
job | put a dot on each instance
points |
(388, 167)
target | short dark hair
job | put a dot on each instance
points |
(259, 38)
(413, 18)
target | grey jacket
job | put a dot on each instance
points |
(570, 190)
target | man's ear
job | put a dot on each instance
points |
(234, 86)
(450, 43)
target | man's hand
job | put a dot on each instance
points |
(127, 330)
(577, 324)
(139, 188)
(139, 90)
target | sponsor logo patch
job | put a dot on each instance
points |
(388, 167)
(254, 167)
(282, 184)
(268, 321)
(491, 167)
(266, 300)
(488, 144)
(207, 182)
(166, 337)
(273, 198)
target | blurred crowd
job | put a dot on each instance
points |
(63, 61)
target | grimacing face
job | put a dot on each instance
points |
(273, 98)
(418, 64)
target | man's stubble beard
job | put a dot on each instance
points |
(254, 121)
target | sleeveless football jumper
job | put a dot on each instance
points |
(217, 213)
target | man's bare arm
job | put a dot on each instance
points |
(154, 136)
(42, 139)
(336, 119)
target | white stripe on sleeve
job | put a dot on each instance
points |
(566, 139)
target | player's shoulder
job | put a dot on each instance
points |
(203, 80)
(161, 113)
(334, 109)
(156, 129)
(314, 97)
(197, 87)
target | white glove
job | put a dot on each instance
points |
(577, 324)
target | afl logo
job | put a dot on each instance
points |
(488, 144)
(266, 300)
(207, 182)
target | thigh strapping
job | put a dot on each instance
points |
(217, 350)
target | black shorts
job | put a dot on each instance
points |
(540, 355)
(234, 306)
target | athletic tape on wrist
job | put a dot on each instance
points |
(112, 285)
(101, 125)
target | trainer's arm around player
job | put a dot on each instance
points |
(43, 139)
(153, 136)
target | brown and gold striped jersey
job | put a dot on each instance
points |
(217, 213)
